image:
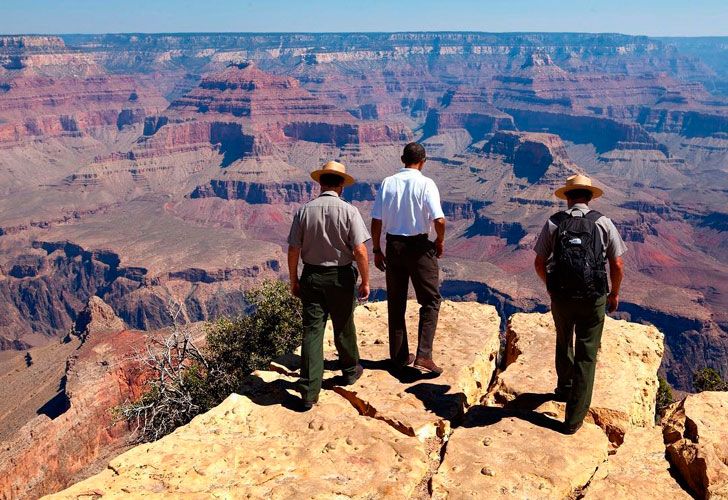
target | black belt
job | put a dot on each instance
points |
(311, 267)
(399, 237)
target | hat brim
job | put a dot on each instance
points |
(561, 192)
(348, 180)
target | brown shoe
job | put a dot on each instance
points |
(397, 366)
(427, 365)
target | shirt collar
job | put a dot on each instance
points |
(330, 193)
(580, 206)
(405, 169)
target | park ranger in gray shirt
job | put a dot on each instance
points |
(328, 234)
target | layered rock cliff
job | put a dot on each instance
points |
(76, 431)
(474, 431)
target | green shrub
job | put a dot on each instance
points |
(188, 380)
(708, 379)
(236, 347)
(664, 398)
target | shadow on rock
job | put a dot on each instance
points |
(483, 416)
(529, 401)
(404, 374)
(277, 392)
(436, 399)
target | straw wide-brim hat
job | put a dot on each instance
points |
(578, 181)
(335, 168)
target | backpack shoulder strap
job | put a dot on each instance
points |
(559, 217)
(593, 215)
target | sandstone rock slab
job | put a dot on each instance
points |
(466, 347)
(500, 453)
(254, 446)
(696, 434)
(626, 377)
(639, 469)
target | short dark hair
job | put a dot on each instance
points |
(578, 194)
(331, 180)
(413, 153)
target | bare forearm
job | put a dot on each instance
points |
(362, 262)
(294, 254)
(616, 273)
(440, 228)
(376, 233)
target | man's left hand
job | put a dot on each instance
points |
(612, 302)
(296, 289)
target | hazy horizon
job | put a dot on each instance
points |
(653, 18)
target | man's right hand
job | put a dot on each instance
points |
(296, 289)
(364, 291)
(379, 261)
(439, 247)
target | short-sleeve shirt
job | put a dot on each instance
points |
(326, 230)
(611, 240)
(407, 202)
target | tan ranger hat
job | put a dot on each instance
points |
(336, 168)
(578, 181)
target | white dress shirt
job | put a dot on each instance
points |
(407, 202)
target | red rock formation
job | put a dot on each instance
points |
(269, 108)
(48, 453)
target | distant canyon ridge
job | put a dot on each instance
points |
(160, 172)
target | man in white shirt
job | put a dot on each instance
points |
(407, 204)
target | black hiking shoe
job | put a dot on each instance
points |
(351, 379)
(572, 429)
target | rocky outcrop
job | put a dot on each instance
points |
(625, 386)
(96, 318)
(405, 435)
(328, 450)
(695, 434)
(466, 349)
(77, 429)
(638, 469)
(503, 455)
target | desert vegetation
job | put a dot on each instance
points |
(190, 376)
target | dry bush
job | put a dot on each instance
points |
(188, 380)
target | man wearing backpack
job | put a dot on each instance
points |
(571, 255)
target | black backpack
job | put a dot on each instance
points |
(578, 269)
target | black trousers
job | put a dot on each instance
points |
(327, 292)
(412, 258)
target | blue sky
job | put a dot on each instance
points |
(650, 17)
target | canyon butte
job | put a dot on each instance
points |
(149, 174)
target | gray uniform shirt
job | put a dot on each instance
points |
(611, 240)
(326, 230)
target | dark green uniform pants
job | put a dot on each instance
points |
(579, 325)
(327, 291)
